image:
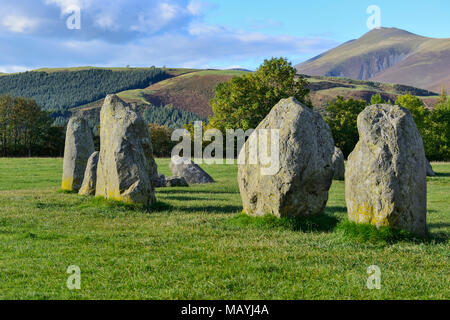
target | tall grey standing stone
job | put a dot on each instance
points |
(300, 187)
(385, 180)
(90, 176)
(77, 150)
(338, 163)
(126, 167)
(186, 168)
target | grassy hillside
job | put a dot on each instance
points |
(387, 55)
(195, 245)
(189, 92)
(192, 92)
(324, 89)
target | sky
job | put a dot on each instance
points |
(195, 33)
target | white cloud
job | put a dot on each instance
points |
(21, 24)
(12, 69)
(68, 5)
(196, 7)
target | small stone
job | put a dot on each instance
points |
(160, 182)
(338, 161)
(176, 182)
(90, 176)
(186, 168)
(430, 172)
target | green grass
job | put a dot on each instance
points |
(195, 244)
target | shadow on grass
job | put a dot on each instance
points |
(323, 223)
(384, 235)
(331, 210)
(230, 209)
(442, 174)
(102, 203)
(186, 198)
(185, 191)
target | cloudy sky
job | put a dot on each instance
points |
(194, 33)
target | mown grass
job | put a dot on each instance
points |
(195, 244)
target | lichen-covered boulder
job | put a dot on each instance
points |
(126, 167)
(429, 168)
(176, 182)
(90, 176)
(338, 164)
(385, 179)
(77, 150)
(306, 146)
(186, 168)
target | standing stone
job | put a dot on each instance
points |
(430, 172)
(186, 168)
(338, 163)
(385, 180)
(77, 150)
(90, 176)
(126, 167)
(306, 146)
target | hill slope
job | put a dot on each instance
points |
(192, 92)
(387, 55)
(189, 92)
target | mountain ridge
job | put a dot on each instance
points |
(388, 55)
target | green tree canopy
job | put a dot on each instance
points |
(341, 115)
(243, 102)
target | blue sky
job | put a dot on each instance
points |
(195, 33)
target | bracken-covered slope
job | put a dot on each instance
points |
(190, 91)
(387, 55)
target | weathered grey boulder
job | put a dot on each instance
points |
(160, 181)
(338, 164)
(126, 167)
(77, 150)
(429, 168)
(385, 180)
(186, 168)
(90, 176)
(300, 186)
(176, 182)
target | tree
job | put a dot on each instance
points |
(439, 148)
(161, 140)
(434, 126)
(377, 99)
(341, 115)
(243, 102)
(26, 130)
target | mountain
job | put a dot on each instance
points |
(387, 55)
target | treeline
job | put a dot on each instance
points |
(169, 116)
(26, 130)
(59, 91)
(434, 125)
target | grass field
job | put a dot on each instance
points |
(194, 244)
